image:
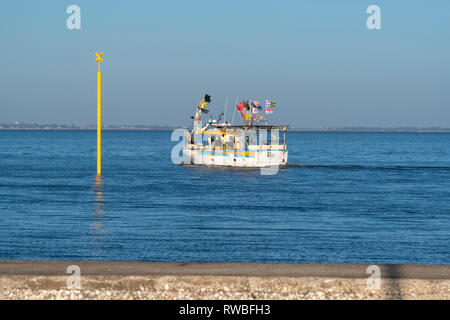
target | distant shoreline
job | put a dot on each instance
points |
(131, 128)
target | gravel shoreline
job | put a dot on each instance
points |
(215, 280)
(217, 288)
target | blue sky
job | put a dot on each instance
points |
(317, 59)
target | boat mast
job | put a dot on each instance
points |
(225, 112)
(232, 120)
(266, 113)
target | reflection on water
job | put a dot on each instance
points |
(99, 201)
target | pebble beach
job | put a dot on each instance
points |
(173, 281)
(217, 288)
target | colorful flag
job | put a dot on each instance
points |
(270, 105)
(255, 107)
(241, 107)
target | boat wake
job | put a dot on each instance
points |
(361, 167)
(322, 166)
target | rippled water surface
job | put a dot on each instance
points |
(346, 197)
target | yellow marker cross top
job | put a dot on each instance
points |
(99, 57)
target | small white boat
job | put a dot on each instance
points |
(251, 144)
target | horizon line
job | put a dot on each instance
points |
(53, 126)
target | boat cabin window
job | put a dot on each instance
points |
(275, 136)
(230, 143)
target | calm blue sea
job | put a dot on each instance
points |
(347, 197)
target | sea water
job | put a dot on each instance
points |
(344, 198)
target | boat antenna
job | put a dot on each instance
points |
(220, 117)
(232, 120)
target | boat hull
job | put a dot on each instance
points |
(255, 158)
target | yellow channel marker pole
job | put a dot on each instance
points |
(99, 114)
